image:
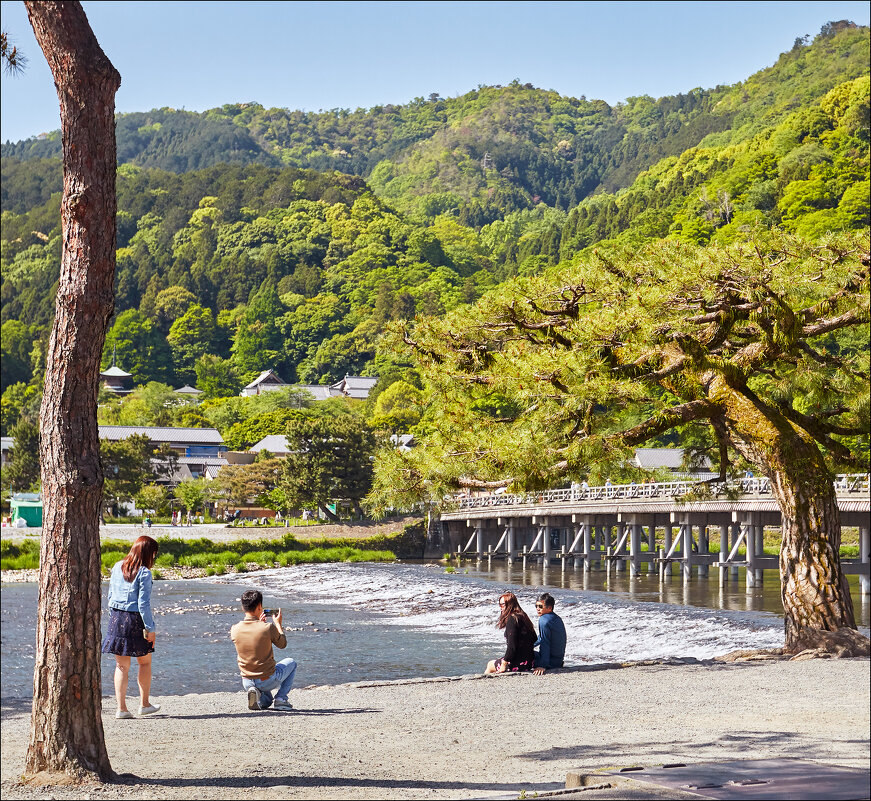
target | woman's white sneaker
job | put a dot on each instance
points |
(149, 710)
(123, 714)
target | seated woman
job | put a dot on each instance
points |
(519, 637)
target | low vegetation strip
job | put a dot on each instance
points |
(205, 557)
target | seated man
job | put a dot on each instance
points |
(253, 638)
(551, 642)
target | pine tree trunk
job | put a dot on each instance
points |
(814, 590)
(66, 736)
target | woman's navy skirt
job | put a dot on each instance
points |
(124, 637)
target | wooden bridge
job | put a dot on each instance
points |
(611, 525)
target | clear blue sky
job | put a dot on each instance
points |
(320, 55)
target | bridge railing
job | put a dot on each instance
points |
(578, 493)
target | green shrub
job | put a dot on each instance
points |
(25, 561)
(196, 560)
(261, 557)
(109, 558)
(241, 567)
(372, 556)
(165, 560)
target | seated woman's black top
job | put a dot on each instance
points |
(519, 642)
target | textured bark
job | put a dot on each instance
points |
(66, 736)
(814, 589)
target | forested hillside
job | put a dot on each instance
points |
(251, 238)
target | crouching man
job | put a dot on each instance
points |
(253, 638)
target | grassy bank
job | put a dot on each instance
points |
(219, 558)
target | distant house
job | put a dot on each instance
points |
(671, 459)
(189, 442)
(6, 446)
(355, 386)
(193, 467)
(351, 386)
(320, 392)
(267, 381)
(402, 442)
(188, 391)
(276, 444)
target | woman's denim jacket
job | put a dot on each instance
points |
(132, 596)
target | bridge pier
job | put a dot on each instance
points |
(635, 547)
(736, 532)
(704, 550)
(669, 533)
(686, 535)
(724, 553)
(864, 559)
(651, 544)
(750, 545)
(509, 541)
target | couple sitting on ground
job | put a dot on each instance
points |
(520, 639)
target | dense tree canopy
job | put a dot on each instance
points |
(228, 269)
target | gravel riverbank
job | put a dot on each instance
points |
(474, 737)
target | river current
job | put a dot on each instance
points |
(354, 622)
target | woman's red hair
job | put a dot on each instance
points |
(142, 552)
(512, 608)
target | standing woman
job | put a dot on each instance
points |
(520, 637)
(131, 623)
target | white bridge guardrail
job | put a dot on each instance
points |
(754, 487)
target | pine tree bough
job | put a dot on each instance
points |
(66, 736)
(756, 352)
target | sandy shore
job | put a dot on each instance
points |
(474, 737)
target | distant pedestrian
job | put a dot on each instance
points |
(519, 637)
(132, 631)
(551, 642)
(609, 488)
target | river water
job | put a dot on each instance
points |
(353, 622)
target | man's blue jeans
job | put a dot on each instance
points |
(282, 679)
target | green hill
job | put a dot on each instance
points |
(251, 238)
(495, 149)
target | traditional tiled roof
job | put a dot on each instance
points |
(319, 392)
(189, 390)
(115, 372)
(187, 436)
(274, 443)
(267, 375)
(355, 386)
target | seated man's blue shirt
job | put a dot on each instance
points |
(551, 642)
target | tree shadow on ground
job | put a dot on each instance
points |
(754, 743)
(261, 782)
(244, 713)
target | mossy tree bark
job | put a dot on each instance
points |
(66, 736)
(814, 589)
